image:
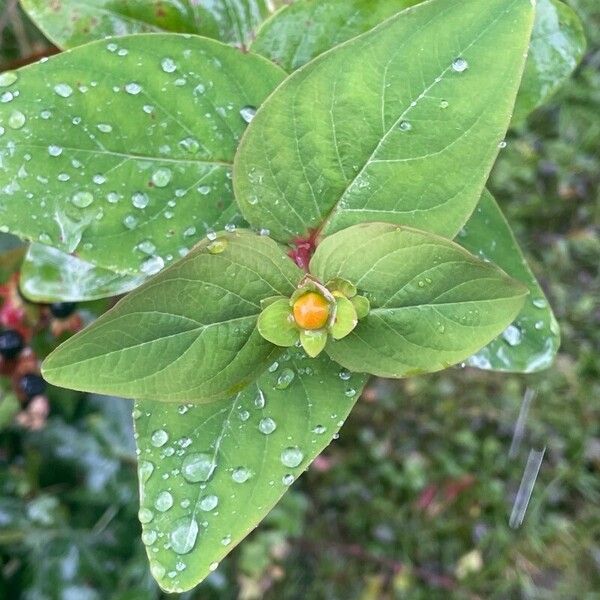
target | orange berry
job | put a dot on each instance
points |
(311, 311)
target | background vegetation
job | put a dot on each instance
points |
(413, 500)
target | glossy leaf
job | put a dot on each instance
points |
(307, 28)
(532, 341)
(49, 275)
(218, 469)
(432, 303)
(189, 334)
(70, 23)
(401, 124)
(121, 151)
(557, 45)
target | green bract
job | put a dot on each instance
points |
(372, 245)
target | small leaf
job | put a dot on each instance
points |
(531, 343)
(188, 334)
(49, 275)
(305, 29)
(276, 324)
(123, 158)
(210, 473)
(70, 23)
(401, 124)
(557, 45)
(432, 303)
(313, 341)
(346, 318)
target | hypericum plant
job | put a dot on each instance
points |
(326, 199)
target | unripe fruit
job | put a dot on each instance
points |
(311, 311)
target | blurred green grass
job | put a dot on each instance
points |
(413, 501)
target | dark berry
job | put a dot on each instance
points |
(62, 310)
(32, 385)
(11, 343)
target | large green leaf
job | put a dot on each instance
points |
(188, 334)
(401, 124)
(432, 303)
(49, 275)
(210, 473)
(122, 150)
(531, 342)
(307, 28)
(70, 23)
(557, 45)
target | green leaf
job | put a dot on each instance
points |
(253, 447)
(49, 275)
(401, 124)
(70, 23)
(126, 159)
(188, 334)
(432, 303)
(307, 28)
(276, 324)
(532, 341)
(557, 45)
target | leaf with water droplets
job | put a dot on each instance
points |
(359, 134)
(49, 275)
(226, 464)
(70, 23)
(532, 341)
(102, 152)
(432, 303)
(189, 334)
(557, 45)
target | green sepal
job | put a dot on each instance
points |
(361, 305)
(266, 302)
(276, 324)
(346, 318)
(313, 342)
(343, 286)
(310, 284)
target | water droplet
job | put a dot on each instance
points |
(460, 65)
(292, 457)
(149, 537)
(162, 177)
(168, 65)
(345, 375)
(241, 475)
(540, 303)
(287, 479)
(159, 438)
(140, 200)
(319, 430)
(164, 501)
(8, 78)
(512, 335)
(350, 392)
(226, 540)
(244, 415)
(82, 199)
(55, 150)
(198, 467)
(145, 469)
(99, 179)
(190, 145)
(104, 127)
(147, 247)
(539, 325)
(158, 571)
(204, 190)
(285, 379)
(184, 534)
(248, 113)
(213, 566)
(133, 88)
(405, 125)
(260, 400)
(502, 144)
(16, 120)
(209, 503)
(444, 104)
(130, 222)
(217, 247)
(267, 426)
(152, 265)
(64, 90)
(145, 515)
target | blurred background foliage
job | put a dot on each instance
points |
(413, 501)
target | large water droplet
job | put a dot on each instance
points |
(190, 145)
(248, 113)
(198, 467)
(64, 90)
(82, 199)
(168, 65)
(159, 438)
(267, 426)
(241, 475)
(149, 537)
(292, 457)
(146, 468)
(140, 200)
(209, 503)
(152, 265)
(16, 120)
(8, 78)
(133, 88)
(162, 177)
(285, 379)
(145, 515)
(164, 501)
(184, 534)
(55, 150)
(512, 335)
(459, 65)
